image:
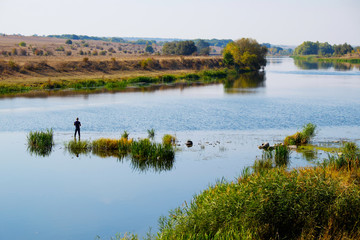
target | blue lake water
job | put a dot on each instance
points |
(63, 196)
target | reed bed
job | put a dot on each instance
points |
(302, 137)
(78, 147)
(40, 142)
(307, 203)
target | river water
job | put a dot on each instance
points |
(64, 196)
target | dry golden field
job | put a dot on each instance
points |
(39, 61)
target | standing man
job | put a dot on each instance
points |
(77, 125)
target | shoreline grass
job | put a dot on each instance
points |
(121, 83)
(320, 202)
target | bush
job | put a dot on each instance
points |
(68, 53)
(68, 42)
(22, 44)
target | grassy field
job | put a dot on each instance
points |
(34, 61)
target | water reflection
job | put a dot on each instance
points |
(315, 65)
(158, 164)
(86, 92)
(42, 152)
(245, 83)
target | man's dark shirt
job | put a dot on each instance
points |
(77, 124)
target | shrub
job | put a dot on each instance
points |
(192, 76)
(168, 78)
(60, 49)
(22, 44)
(22, 52)
(68, 53)
(68, 42)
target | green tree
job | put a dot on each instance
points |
(342, 49)
(203, 48)
(325, 49)
(185, 48)
(22, 44)
(307, 48)
(247, 54)
(68, 42)
(149, 49)
(169, 48)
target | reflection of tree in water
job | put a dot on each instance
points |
(245, 81)
(342, 66)
(314, 65)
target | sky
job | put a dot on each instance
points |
(287, 22)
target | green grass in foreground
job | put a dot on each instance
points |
(320, 202)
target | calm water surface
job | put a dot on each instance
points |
(63, 196)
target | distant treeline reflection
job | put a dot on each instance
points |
(312, 65)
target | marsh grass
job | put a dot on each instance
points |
(348, 157)
(306, 203)
(302, 137)
(40, 142)
(273, 157)
(151, 134)
(78, 147)
(169, 140)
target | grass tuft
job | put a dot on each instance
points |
(40, 142)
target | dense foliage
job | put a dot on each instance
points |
(203, 47)
(323, 49)
(179, 48)
(245, 54)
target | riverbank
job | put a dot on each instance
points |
(352, 59)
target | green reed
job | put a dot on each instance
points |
(40, 142)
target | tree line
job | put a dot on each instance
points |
(323, 49)
(186, 48)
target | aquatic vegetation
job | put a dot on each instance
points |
(169, 139)
(125, 135)
(302, 137)
(106, 147)
(78, 147)
(281, 156)
(348, 157)
(125, 146)
(151, 133)
(306, 203)
(277, 156)
(144, 149)
(40, 142)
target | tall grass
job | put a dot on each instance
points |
(273, 157)
(348, 157)
(168, 139)
(40, 142)
(307, 203)
(302, 137)
(78, 147)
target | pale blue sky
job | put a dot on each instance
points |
(275, 21)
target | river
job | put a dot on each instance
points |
(64, 196)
